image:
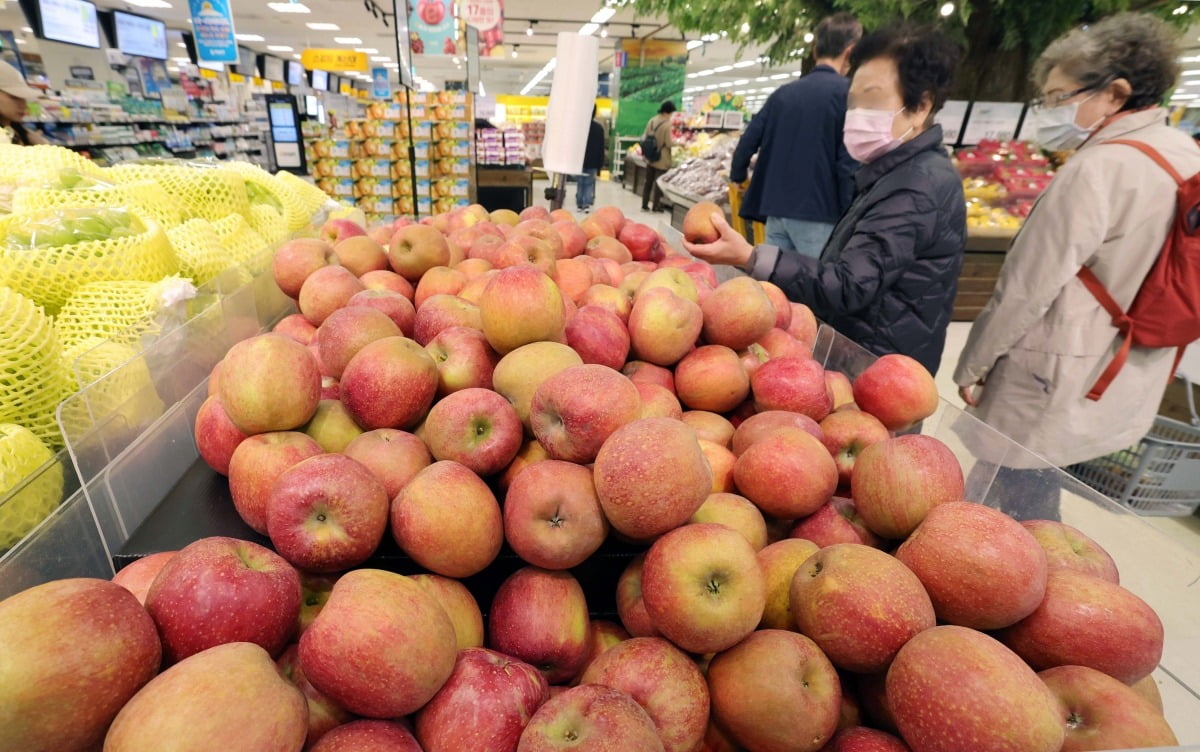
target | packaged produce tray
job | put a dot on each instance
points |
(143, 490)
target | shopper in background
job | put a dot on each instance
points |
(660, 128)
(14, 93)
(1043, 340)
(803, 180)
(593, 161)
(888, 274)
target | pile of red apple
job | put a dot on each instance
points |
(811, 580)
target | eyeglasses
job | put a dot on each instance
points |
(1058, 100)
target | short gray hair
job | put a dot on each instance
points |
(1139, 48)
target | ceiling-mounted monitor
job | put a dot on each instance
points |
(271, 67)
(67, 21)
(139, 35)
(319, 80)
(247, 64)
(295, 73)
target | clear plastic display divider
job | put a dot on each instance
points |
(1159, 570)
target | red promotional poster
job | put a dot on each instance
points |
(433, 28)
(487, 16)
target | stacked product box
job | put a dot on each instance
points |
(448, 153)
(514, 147)
(489, 147)
(535, 134)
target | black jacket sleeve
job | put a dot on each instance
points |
(883, 245)
(748, 145)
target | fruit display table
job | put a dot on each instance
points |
(981, 269)
(504, 187)
(634, 177)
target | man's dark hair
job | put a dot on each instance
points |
(925, 59)
(835, 33)
(667, 108)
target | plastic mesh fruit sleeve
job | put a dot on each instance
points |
(210, 193)
(72, 190)
(312, 197)
(265, 189)
(123, 311)
(21, 455)
(32, 379)
(199, 250)
(41, 165)
(242, 243)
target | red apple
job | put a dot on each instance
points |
(269, 383)
(459, 605)
(483, 706)
(393, 457)
(703, 587)
(840, 387)
(862, 739)
(442, 312)
(952, 689)
(599, 336)
(216, 435)
(381, 648)
(541, 617)
(448, 521)
(574, 411)
(220, 590)
(608, 298)
(138, 576)
(736, 513)
(859, 605)
(846, 434)
(336, 230)
(1067, 548)
(326, 290)
(574, 239)
(590, 718)
(535, 212)
(631, 607)
(348, 330)
(795, 384)
(368, 736)
(783, 308)
(698, 223)
(324, 714)
(663, 326)
(999, 573)
(521, 305)
(777, 691)
(1100, 712)
(416, 249)
(836, 522)
(644, 493)
(804, 324)
(392, 304)
(709, 426)
(387, 281)
(82, 647)
(737, 313)
(758, 427)
(612, 216)
(640, 372)
(296, 327)
(711, 378)
(389, 383)
(787, 474)
(255, 466)
(332, 426)
(475, 427)
(531, 452)
(1087, 621)
(643, 242)
(296, 259)
(664, 681)
(602, 636)
(896, 482)
(361, 254)
(720, 460)
(314, 594)
(897, 390)
(657, 402)
(552, 518)
(521, 372)
(327, 514)
(229, 697)
(464, 359)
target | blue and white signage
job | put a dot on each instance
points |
(212, 26)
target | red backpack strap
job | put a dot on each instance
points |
(1120, 320)
(1151, 152)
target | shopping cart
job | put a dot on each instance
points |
(1158, 477)
(758, 232)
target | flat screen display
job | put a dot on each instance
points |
(310, 105)
(295, 73)
(141, 36)
(69, 21)
(248, 62)
(272, 68)
(320, 80)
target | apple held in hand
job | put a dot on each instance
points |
(664, 681)
(222, 590)
(590, 718)
(698, 224)
(483, 706)
(703, 587)
(951, 689)
(541, 617)
(776, 690)
(75, 651)
(381, 648)
(327, 514)
(230, 697)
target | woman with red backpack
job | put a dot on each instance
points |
(1052, 361)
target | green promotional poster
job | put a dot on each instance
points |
(654, 71)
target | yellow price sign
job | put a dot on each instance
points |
(334, 60)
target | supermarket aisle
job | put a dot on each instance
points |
(607, 194)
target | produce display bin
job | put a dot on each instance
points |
(142, 487)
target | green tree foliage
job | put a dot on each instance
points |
(1001, 37)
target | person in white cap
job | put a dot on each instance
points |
(14, 93)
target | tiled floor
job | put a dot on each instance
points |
(1185, 530)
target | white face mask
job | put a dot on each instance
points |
(1056, 127)
(868, 133)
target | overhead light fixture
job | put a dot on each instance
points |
(289, 7)
(588, 29)
(149, 3)
(368, 50)
(514, 50)
(323, 26)
(393, 66)
(603, 15)
(250, 38)
(760, 79)
(482, 91)
(381, 59)
(780, 76)
(604, 32)
(454, 59)
(347, 40)
(27, 29)
(529, 31)
(21, 41)
(808, 38)
(948, 9)
(181, 45)
(710, 37)
(541, 74)
(744, 64)
(694, 44)
(1191, 73)
(741, 82)
(703, 73)
(297, 55)
(797, 74)
(279, 48)
(722, 69)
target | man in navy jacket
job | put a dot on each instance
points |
(803, 178)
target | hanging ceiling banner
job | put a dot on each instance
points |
(487, 17)
(334, 60)
(212, 26)
(433, 28)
